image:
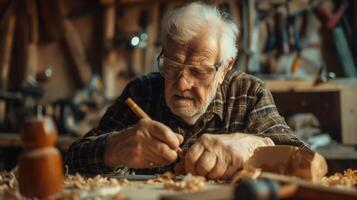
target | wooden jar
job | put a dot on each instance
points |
(40, 165)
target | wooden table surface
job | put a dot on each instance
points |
(156, 192)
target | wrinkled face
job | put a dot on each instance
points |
(185, 98)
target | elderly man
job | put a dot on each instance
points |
(197, 102)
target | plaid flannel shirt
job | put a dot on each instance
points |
(242, 104)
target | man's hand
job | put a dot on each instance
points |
(148, 144)
(221, 156)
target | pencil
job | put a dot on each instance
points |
(136, 109)
(142, 115)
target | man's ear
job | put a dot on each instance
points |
(227, 69)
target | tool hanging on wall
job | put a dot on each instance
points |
(331, 22)
(298, 48)
(76, 115)
(251, 36)
(24, 102)
(294, 30)
(282, 33)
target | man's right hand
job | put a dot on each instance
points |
(148, 144)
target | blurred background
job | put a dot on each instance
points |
(70, 59)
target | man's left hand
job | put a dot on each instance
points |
(221, 156)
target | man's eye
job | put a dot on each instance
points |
(199, 73)
(173, 66)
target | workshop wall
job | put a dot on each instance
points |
(101, 32)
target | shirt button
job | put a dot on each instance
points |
(210, 116)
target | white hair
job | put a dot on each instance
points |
(184, 23)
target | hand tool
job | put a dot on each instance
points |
(342, 47)
(270, 186)
(296, 63)
(136, 109)
(142, 115)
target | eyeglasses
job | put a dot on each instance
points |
(200, 75)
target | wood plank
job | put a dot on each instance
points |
(74, 47)
(308, 85)
(6, 43)
(32, 52)
(354, 11)
(107, 26)
(109, 23)
(51, 20)
(348, 97)
(17, 71)
(152, 31)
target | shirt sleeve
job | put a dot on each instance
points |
(86, 155)
(265, 120)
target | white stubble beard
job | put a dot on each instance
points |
(190, 113)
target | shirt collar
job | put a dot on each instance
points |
(216, 106)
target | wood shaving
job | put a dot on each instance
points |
(7, 180)
(248, 173)
(9, 185)
(348, 178)
(188, 184)
(218, 181)
(77, 187)
(163, 178)
(79, 182)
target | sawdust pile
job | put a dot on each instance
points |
(189, 183)
(347, 178)
(77, 187)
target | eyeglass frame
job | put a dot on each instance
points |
(161, 55)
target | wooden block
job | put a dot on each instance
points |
(305, 190)
(289, 160)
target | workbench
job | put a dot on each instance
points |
(8, 140)
(134, 189)
(334, 103)
(156, 192)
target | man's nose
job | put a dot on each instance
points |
(184, 82)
